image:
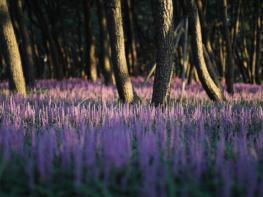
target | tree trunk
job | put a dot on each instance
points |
(236, 26)
(259, 44)
(203, 23)
(131, 52)
(164, 69)
(104, 46)
(210, 87)
(91, 66)
(115, 26)
(222, 59)
(206, 37)
(13, 59)
(256, 45)
(26, 45)
(229, 53)
(92, 63)
(211, 67)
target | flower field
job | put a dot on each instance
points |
(73, 138)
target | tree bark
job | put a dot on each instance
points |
(256, 45)
(164, 69)
(104, 46)
(13, 59)
(131, 51)
(91, 66)
(115, 26)
(259, 43)
(26, 45)
(208, 84)
(229, 53)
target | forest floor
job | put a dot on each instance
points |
(73, 138)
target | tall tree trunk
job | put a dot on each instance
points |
(222, 59)
(91, 66)
(211, 67)
(204, 25)
(164, 69)
(131, 51)
(256, 44)
(206, 37)
(79, 60)
(91, 59)
(209, 85)
(17, 82)
(229, 53)
(26, 44)
(104, 45)
(115, 26)
(259, 43)
(236, 26)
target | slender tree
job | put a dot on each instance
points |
(208, 84)
(104, 45)
(131, 51)
(229, 53)
(91, 65)
(115, 26)
(16, 82)
(256, 48)
(29, 70)
(164, 69)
